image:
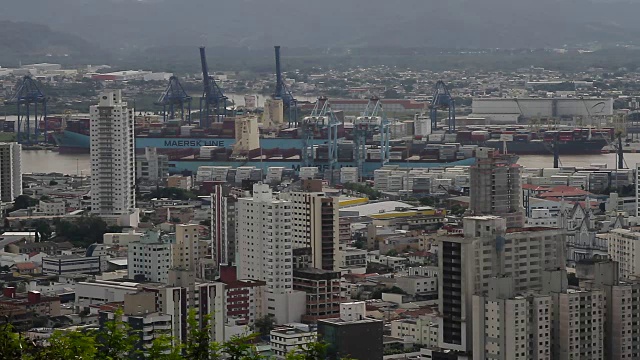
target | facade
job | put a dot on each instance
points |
(73, 264)
(150, 258)
(265, 251)
(352, 335)
(243, 298)
(485, 250)
(179, 181)
(151, 167)
(187, 249)
(10, 171)
(51, 207)
(579, 324)
(315, 221)
(496, 187)
(323, 292)
(112, 157)
(291, 338)
(624, 249)
(223, 222)
(422, 331)
(509, 326)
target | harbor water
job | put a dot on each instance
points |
(43, 161)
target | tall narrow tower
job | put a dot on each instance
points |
(113, 159)
(10, 171)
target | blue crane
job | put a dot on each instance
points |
(443, 100)
(26, 99)
(174, 98)
(213, 98)
(283, 93)
(373, 119)
(321, 118)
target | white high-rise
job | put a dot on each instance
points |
(113, 158)
(10, 171)
(264, 241)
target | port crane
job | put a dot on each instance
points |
(321, 118)
(213, 102)
(442, 100)
(373, 119)
(290, 104)
(26, 98)
(173, 99)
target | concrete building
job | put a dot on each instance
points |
(121, 239)
(10, 171)
(323, 292)
(291, 338)
(53, 207)
(422, 124)
(223, 223)
(487, 249)
(112, 159)
(352, 334)
(187, 249)
(422, 331)
(496, 188)
(511, 326)
(624, 249)
(149, 257)
(151, 167)
(73, 264)
(265, 251)
(180, 182)
(315, 222)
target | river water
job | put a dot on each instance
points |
(44, 161)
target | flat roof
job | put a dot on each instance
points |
(375, 208)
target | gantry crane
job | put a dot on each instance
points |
(373, 120)
(213, 98)
(174, 98)
(26, 99)
(290, 104)
(321, 118)
(442, 100)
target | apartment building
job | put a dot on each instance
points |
(10, 171)
(624, 248)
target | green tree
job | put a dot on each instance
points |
(265, 324)
(115, 340)
(311, 351)
(199, 345)
(23, 202)
(43, 229)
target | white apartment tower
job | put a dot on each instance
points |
(624, 248)
(10, 171)
(487, 250)
(149, 257)
(265, 251)
(315, 222)
(112, 157)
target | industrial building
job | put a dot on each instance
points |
(512, 110)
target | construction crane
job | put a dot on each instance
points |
(442, 100)
(26, 99)
(213, 101)
(372, 120)
(283, 93)
(174, 98)
(321, 118)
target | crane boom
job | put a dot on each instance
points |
(205, 72)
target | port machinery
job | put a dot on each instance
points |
(213, 101)
(373, 120)
(320, 119)
(442, 100)
(174, 98)
(26, 98)
(290, 104)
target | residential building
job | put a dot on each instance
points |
(352, 335)
(323, 292)
(421, 286)
(264, 251)
(315, 223)
(180, 182)
(508, 326)
(121, 239)
(290, 339)
(187, 249)
(53, 207)
(151, 167)
(496, 187)
(73, 264)
(243, 298)
(112, 159)
(422, 331)
(10, 171)
(150, 258)
(624, 249)
(487, 249)
(223, 222)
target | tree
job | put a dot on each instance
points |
(265, 324)
(23, 202)
(43, 229)
(114, 341)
